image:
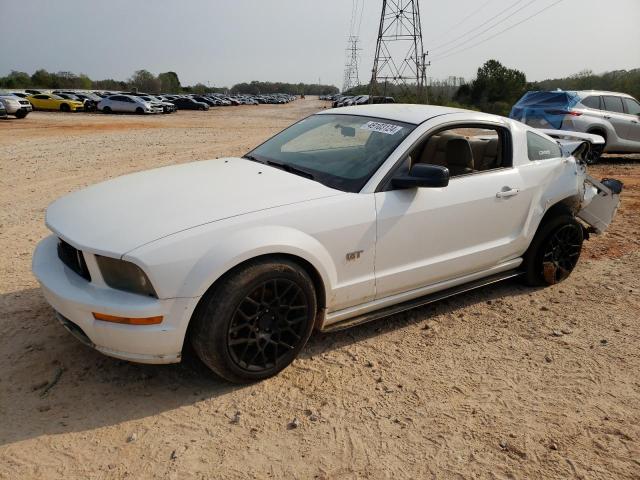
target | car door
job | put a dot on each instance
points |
(125, 104)
(614, 113)
(131, 104)
(430, 235)
(39, 101)
(632, 108)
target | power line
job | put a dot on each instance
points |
(500, 32)
(353, 15)
(481, 7)
(355, 7)
(361, 15)
(487, 29)
(500, 13)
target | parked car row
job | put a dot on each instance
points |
(350, 100)
(21, 103)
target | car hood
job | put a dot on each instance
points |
(116, 216)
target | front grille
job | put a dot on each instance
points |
(23, 102)
(74, 259)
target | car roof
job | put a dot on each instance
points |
(399, 112)
(585, 93)
(602, 92)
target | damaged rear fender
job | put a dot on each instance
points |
(600, 202)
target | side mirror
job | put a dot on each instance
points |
(423, 175)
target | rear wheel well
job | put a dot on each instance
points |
(566, 206)
(599, 131)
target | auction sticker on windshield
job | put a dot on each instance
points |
(380, 127)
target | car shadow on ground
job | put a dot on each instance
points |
(61, 386)
(618, 159)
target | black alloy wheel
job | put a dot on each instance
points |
(267, 325)
(561, 252)
(252, 323)
(554, 250)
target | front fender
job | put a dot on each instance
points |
(254, 242)
(187, 267)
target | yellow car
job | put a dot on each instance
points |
(46, 101)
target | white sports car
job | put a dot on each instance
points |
(344, 217)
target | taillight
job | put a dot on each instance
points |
(573, 113)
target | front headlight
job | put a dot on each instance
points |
(123, 275)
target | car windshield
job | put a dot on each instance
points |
(340, 151)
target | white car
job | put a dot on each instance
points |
(14, 105)
(127, 104)
(346, 216)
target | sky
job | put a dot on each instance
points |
(220, 42)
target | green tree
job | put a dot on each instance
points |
(16, 80)
(199, 88)
(495, 89)
(41, 78)
(169, 82)
(144, 81)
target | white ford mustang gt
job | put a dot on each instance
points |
(344, 217)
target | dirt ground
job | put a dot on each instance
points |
(506, 382)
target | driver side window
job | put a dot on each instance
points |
(465, 150)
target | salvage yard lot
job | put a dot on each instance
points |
(503, 382)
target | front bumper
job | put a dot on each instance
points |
(75, 299)
(13, 109)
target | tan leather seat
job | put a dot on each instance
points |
(434, 152)
(485, 153)
(459, 157)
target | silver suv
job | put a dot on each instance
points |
(614, 116)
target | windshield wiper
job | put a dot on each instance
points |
(291, 169)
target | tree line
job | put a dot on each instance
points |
(145, 81)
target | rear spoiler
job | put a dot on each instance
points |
(571, 142)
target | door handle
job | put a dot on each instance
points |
(607, 117)
(512, 192)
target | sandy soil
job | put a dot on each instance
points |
(506, 382)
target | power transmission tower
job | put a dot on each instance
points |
(400, 58)
(351, 78)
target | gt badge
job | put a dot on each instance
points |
(354, 255)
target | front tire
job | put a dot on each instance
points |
(21, 114)
(106, 110)
(554, 251)
(140, 111)
(255, 322)
(65, 108)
